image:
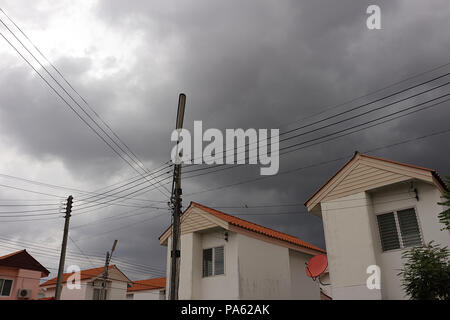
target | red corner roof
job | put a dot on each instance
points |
(23, 260)
(257, 228)
(85, 274)
(149, 284)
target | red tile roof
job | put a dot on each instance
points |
(149, 284)
(23, 260)
(85, 274)
(257, 228)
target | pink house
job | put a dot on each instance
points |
(20, 275)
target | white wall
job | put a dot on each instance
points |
(350, 245)
(192, 285)
(353, 241)
(264, 271)
(116, 290)
(302, 286)
(154, 294)
(398, 197)
(224, 286)
(254, 269)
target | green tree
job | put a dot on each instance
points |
(444, 216)
(426, 274)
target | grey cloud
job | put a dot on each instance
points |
(241, 64)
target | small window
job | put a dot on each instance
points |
(207, 262)
(399, 229)
(5, 287)
(388, 231)
(97, 295)
(409, 227)
(213, 261)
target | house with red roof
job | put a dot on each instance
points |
(373, 210)
(225, 257)
(90, 285)
(20, 275)
(149, 289)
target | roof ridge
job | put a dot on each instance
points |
(12, 254)
(230, 215)
(81, 271)
(304, 243)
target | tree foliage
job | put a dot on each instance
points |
(444, 216)
(426, 274)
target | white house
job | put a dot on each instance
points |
(373, 210)
(149, 289)
(91, 281)
(224, 257)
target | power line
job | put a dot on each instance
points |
(324, 110)
(72, 255)
(336, 132)
(140, 163)
(70, 96)
(319, 164)
(356, 108)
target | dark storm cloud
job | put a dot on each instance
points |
(242, 64)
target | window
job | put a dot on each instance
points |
(5, 287)
(98, 294)
(213, 261)
(399, 229)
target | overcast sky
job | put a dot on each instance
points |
(242, 64)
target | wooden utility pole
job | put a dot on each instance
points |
(105, 273)
(62, 258)
(176, 205)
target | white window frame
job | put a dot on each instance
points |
(213, 260)
(10, 291)
(397, 225)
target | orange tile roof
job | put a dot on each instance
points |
(257, 228)
(85, 274)
(149, 284)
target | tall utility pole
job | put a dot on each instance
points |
(105, 273)
(176, 205)
(62, 258)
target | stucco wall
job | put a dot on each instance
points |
(192, 285)
(353, 241)
(302, 287)
(263, 270)
(399, 197)
(116, 289)
(22, 279)
(147, 295)
(350, 245)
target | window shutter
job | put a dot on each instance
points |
(207, 262)
(388, 231)
(219, 261)
(5, 287)
(409, 227)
